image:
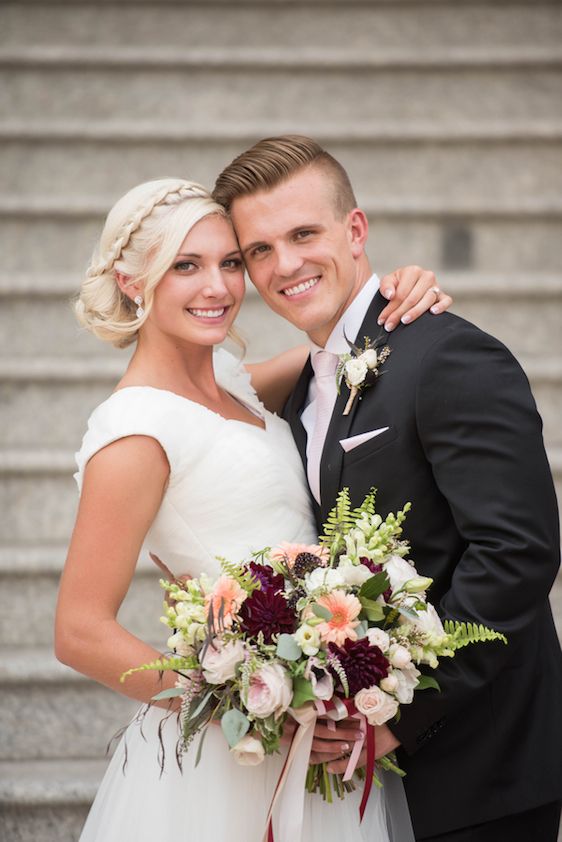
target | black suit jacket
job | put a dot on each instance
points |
(465, 446)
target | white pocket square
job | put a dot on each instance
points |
(355, 441)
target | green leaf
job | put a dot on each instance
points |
(302, 692)
(288, 648)
(321, 611)
(372, 610)
(200, 746)
(462, 634)
(170, 693)
(201, 705)
(234, 726)
(408, 614)
(362, 629)
(426, 682)
(374, 586)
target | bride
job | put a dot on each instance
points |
(185, 459)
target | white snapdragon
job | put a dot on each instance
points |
(406, 681)
(399, 571)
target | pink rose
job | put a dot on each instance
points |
(270, 691)
(220, 661)
(248, 751)
(376, 705)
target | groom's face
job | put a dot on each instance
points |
(300, 255)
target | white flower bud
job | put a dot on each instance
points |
(369, 358)
(356, 371)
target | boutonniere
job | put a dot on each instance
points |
(360, 367)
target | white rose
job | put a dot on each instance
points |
(308, 639)
(220, 661)
(399, 656)
(376, 705)
(248, 751)
(270, 691)
(407, 680)
(353, 574)
(323, 577)
(378, 637)
(389, 684)
(356, 371)
(399, 571)
(369, 358)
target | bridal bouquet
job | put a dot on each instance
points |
(337, 629)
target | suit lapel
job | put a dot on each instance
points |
(331, 463)
(293, 409)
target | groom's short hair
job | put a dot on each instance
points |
(274, 160)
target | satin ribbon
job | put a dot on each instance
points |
(289, 792)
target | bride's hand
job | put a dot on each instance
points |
(385, 742)
(411, 291)
(329, 745)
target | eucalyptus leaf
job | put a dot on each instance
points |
(362, 629)
(170, 693)
(200, 746)
(302, 692)
(426, 682)
(321, 611)
(234, 726)
(288, 648)
(375, 586)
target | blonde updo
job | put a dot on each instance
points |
(141, 237)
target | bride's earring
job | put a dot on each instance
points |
(140, 311)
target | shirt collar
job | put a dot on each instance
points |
(350, 322)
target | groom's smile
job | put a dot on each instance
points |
(306, 260)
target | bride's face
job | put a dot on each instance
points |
(200, 295)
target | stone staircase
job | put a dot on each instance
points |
(449, 119)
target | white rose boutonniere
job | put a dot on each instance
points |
(360, 367)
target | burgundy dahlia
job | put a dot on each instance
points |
(268, 612)
(266, 576)
(363, 664)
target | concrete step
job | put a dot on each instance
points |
(420, 26)
(72, 716)
(46, 800)
(477, 236)
(393, 167)
(521, 308)
(353, 86)
(38, 496)
(47, 402)
(29, 575)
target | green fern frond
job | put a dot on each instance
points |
(340, 520)
(463, 634)
(367, 507)
(162, 665)
(244, 578)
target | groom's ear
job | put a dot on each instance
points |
(357, 231)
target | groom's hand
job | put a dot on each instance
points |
(385, 742)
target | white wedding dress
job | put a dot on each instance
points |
(233, 487)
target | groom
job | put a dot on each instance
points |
(450, 425)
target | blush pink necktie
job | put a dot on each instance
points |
(324, 365)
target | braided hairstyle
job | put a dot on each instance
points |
(140, 239)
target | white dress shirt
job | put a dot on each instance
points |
(350, 324)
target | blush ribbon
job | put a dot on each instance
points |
(288, 797)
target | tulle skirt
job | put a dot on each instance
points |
(215, 801)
